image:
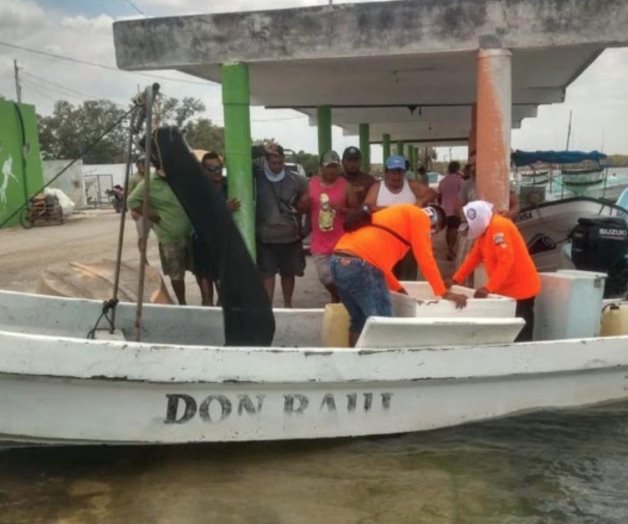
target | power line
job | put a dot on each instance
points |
(59, 87)
(96, 64)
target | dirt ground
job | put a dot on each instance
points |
(93, 235)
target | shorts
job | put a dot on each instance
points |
(286, 259)
(362, 289)
(453, 222)
(176, 259)
(323, 268)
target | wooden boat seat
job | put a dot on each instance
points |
(395, 332)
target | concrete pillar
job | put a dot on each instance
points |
(365, 147)
(494, 107)
(400, 148)
(409, 153)
(236, 102)
(386, 146)
(472, 146)
(324, 129)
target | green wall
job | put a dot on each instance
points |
(20, 176)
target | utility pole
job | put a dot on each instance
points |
(18, 87)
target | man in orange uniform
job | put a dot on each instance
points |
(363, 261)
(511, 271)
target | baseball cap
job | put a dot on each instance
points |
(329, 158)
(395, 162)
(351, 152)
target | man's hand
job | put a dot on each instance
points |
(456, 298)
(233, 204)
(481, 293)
(154, 217)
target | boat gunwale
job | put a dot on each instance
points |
(296, 365)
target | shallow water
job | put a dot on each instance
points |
(549, 467)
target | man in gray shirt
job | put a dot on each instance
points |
(278, 224)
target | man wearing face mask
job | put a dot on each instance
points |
(278, 223)
(364, 258)
(510, 269)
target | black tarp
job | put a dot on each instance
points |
(248, 314)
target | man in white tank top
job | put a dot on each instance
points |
(396, 189)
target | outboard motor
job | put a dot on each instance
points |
(601, 244)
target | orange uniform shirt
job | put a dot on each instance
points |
(383, 250)
(511, 271)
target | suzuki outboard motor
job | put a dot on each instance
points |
(601, 244)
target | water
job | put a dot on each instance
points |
(549, 467)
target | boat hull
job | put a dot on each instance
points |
(61, 390)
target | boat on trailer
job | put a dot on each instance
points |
(181, 385)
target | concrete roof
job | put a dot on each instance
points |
(364, 59)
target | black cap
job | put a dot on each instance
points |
(351, 152)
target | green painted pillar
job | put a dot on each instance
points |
(236, 102)
(365, 147)
(416, 157)
(386, 146)
(409, 153)
(324, 129)
(400, 148)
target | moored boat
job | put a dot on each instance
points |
(179, 385)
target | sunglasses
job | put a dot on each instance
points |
(216, 169)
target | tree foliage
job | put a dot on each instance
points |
(70, 131)
(202, 134)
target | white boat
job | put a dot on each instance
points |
(546, 227)
(179, 385)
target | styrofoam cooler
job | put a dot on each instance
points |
(569, 305)
(421, 302)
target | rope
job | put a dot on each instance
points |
(88, 149)
(107, 305)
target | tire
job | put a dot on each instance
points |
(25, 219)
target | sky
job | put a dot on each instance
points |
(82, 29)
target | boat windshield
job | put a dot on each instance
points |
(622, 201)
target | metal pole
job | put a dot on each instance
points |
(386, 146)
(494, 108)
(400, 148)
(365, 147)
(149, 98)
(236, 101)
(127, 174)
(18, 87)
(323, 118)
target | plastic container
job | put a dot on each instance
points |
(614, 320)
(335, 332)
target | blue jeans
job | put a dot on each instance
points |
(362, 289)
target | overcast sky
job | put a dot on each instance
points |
(83, 29)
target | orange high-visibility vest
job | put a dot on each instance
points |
(383, 250)
(502, 249)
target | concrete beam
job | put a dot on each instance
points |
(351, 30)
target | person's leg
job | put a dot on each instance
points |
(344, 272)
(363, 291)
(287, 290)
(207, 290)
(323, 268)
(291, 261)
(267, 265)
(179, 290)
(525, 310)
